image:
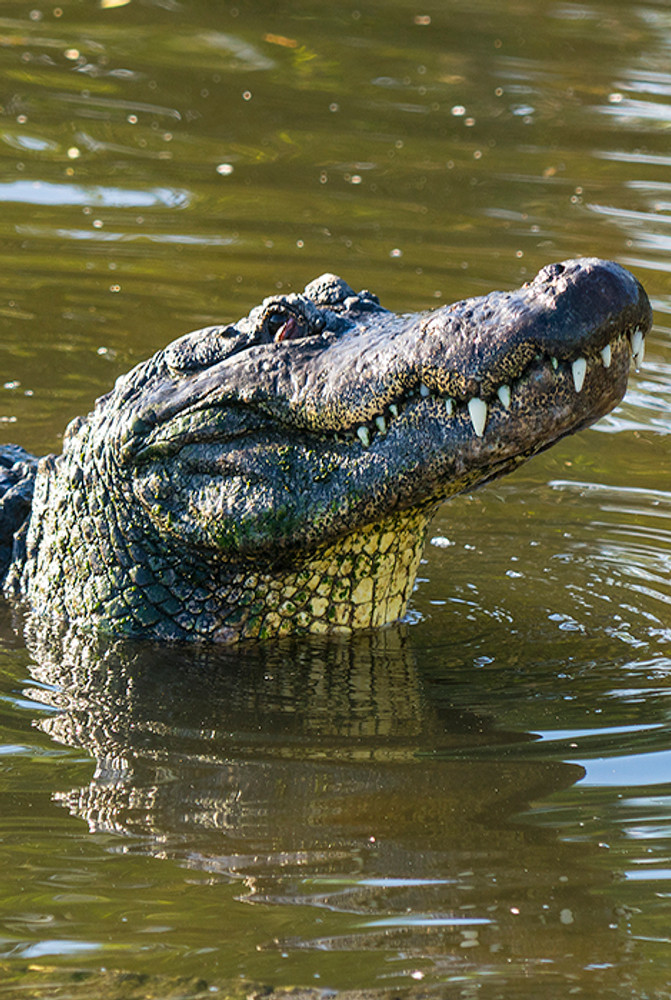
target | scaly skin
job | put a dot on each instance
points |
(279, 475)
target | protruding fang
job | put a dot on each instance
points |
(393, 409)
(478, 411)
(638, 347)
(449, 406)
(381, 425)
(555, 363)
(424, 390)
(363, 435)
(606, 356)
(503, 392)
(579, 370)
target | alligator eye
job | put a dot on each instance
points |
(287, 326)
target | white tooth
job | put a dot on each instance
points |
(449, 406)
(638, 347)
(503, 392)
(478, 411)
(363, 435)
(578, 370)
(555, 363)
(606, 356)
(424, 390)
(393, 409)
(381, 425)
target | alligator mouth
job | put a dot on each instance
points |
(476, 409)
(232, 421)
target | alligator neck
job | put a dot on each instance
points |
(362, 580)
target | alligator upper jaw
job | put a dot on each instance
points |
(476, 350)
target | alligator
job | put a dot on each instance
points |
(278, 475)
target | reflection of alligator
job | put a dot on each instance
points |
(278, 475)
(329, 774)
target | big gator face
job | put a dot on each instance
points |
(322, 412)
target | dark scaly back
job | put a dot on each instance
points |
(17, 478)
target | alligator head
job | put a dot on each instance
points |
(279, 474)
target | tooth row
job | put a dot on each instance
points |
(478, 408)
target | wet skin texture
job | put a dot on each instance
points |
(278, 475)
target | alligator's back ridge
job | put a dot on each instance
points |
(278, 474)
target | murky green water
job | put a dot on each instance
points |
(475, 803)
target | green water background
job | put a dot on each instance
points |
(476, 802)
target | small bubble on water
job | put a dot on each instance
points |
(396, 252)
(225, 169)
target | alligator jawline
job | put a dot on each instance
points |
(476, 410)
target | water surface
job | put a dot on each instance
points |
(472, 803)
